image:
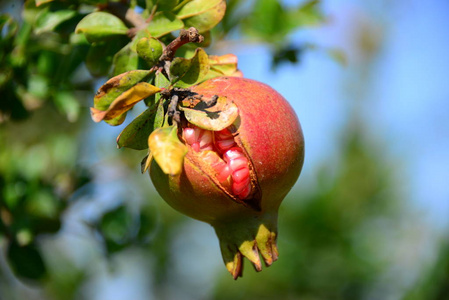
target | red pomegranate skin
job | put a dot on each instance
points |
(269, 132)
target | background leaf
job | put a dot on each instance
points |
(100, 26)
(202, 14)
(163, 23)
(48, 20)
(26, 261)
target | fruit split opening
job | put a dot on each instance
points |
(231, 166)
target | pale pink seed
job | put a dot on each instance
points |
(198, 132)
(240, 175)
(232, 153)
(238, 163)
(206, 139)
(189, 135)
(224, 145)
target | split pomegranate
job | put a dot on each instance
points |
(236, 178)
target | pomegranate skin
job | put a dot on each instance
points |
(269, 132)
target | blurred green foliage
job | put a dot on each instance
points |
(330, 242)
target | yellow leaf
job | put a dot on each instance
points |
(167, 150)
(125, 101)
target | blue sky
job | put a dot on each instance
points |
(407, 109)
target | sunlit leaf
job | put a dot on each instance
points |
(187, 72)
(125, 101)
(308, 14)
(202, 14)
(149, 49)
(136, 134)
(167, 149)
(40, 2)
(197, 7)
(115, 86)
(215, 118)
(163, 23)
(99, 26)
(146, 162)
(225, 65)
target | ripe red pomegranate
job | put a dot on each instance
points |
(236, 178)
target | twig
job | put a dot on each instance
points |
(190, 35)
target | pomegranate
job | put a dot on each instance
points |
(235, 179)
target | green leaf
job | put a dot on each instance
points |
(202, 14)
(48, 20)
(68, 105)
(163, 5)
(117, 85)
(8, 27)
(149, 49)
(93, 2)
(268, 21)
(40, 2)
(26, 261)
(187, 72)
(117, 228)
(161, 81)
(135, 135)
(99, 59)
(167, 149)
(125, 101)
(215, 118)
(197, 7)
(308, 14)
(163, 23)
(100, 26)
(125, 60)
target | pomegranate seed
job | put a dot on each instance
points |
(240, 175)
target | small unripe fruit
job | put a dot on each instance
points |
(235, 179)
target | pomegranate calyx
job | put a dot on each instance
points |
(250, 237)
